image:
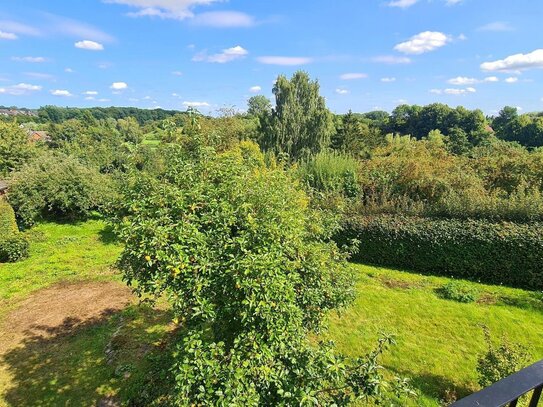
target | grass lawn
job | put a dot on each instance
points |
(438, 339)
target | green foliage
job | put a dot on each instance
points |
(331, 172)
(500, 361)
(13, 248)
(13, 245)
(57, 186)
(459, 291)
(259, 106)
(300, 124)
(497, 253)
(249, 272)
(15, 148)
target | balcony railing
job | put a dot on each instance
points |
(507, 392)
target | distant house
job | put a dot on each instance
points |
(3, 187)
(42, 136)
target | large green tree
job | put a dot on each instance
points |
(300, 124)
(15, 148)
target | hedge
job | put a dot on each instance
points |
(13, 245)
(495, 253)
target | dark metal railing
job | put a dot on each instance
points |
(507, 392)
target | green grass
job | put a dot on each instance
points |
(59, 252)
(438, 340)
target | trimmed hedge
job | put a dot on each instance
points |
(495, 253)
(13, 245)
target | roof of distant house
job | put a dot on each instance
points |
(38, 135)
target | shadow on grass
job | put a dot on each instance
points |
(77, 362)
(438, 387)
(107, 235)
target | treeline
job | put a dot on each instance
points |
(55, 114)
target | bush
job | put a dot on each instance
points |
(500, 361)
(59, 187)
(459, 291)
(13, 248)
(13, 245)
(495, 253)
(250, 273)
(331, 172)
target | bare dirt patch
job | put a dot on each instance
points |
(62, 306)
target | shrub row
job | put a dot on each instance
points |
(495, 253)
(13, 245)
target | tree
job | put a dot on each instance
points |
(15, 148)
(250, 272)
(300, 124)
(258, 106)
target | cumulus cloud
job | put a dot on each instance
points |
(462, 80)
(496, 26)
(284, 61)
(7, 36)
(89, 45)
(20, 89)
(341, 91)
(224, 19)
(391, 59)
(454, 91)
(255, 89)
(90, 93)
(227, 55)
(61, 92)
(388, 79)
(402, 3)
(423, 42)
(196, 104)
(118, 86)
(491, 79)
(177, 73)
(511, 79)
(352, 76)
(29, 59)
(516, 63)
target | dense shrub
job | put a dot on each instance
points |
(15, 148)
(250, 272)
(56, 186)
(331, 172)
(497, 253)
(500, 361)
(458, 291)
(13, 245)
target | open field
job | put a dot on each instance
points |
(94, 351)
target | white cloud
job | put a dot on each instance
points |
(90, 93)
(176, 9)
(89, 45)
(118, 86)
(454, 91)
(196, 104)
(284, 61)
(496, 26)
(453, 2)
(39, 75)
(491, 79)
(224, 19)
(29, 59)
(255, 89)
(177, 73)
(341, 91)
(227, 55)
(391, 59)
(73, 28)
(7, 36)
(89, 98)
(69, 70)
(511, 79)
(103, 100)
(515, 63)
(402, 3)
(388, 79)
(423, 42)
(353, 76)
(462, 80)
(18, 28)
(20, 89)
(61, 92)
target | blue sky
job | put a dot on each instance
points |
(367, 54)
